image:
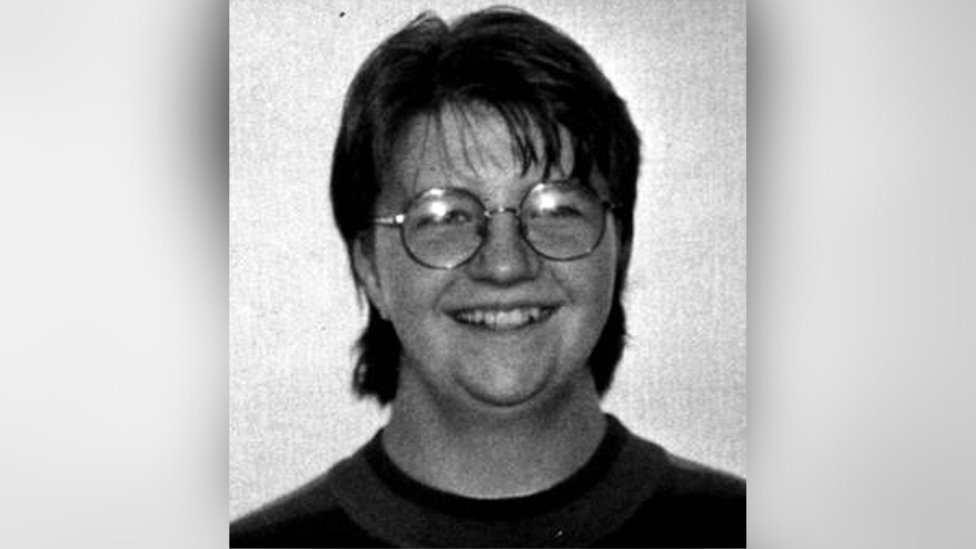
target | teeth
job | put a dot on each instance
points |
(502, 320)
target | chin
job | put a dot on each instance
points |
(516, 393)
(511, 399)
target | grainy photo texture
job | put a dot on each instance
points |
(487, 274)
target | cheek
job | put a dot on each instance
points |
(409, 289)
(590, 283)
(595, 288)
(602, 268)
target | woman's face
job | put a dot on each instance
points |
(509, 329)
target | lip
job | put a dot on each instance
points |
(500, 305)
(504, 316)
(460, 306)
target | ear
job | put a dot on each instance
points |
(364, 264)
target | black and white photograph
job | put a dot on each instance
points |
(488, 274)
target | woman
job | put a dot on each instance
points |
(484, 181)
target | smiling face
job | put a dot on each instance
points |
(508, 330)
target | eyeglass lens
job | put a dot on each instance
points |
(445, 228)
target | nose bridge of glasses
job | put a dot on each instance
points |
(492, 212)
(519, 225)
(515, 234)
(504, 253)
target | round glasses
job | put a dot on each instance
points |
(443, 228)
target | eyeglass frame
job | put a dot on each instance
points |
(397, 220)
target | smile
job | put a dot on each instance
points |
(511, 319)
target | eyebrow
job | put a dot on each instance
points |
(571, 180)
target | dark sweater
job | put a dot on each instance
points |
(631, 493)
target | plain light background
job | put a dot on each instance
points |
(113, 274)
(681, 67)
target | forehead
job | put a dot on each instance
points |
(472, 147)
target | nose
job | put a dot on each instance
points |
(504, 258)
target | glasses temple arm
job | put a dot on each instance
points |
(390, 221)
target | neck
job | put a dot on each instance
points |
(494, 453)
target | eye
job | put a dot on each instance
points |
(454, 217)
(557, 206)
(558, 211)
(443, 214)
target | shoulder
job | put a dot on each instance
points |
(675, 477)
(310, 516)
(702, 503)
(690, 505)
(690, 479)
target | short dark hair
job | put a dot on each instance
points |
(532, 75)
